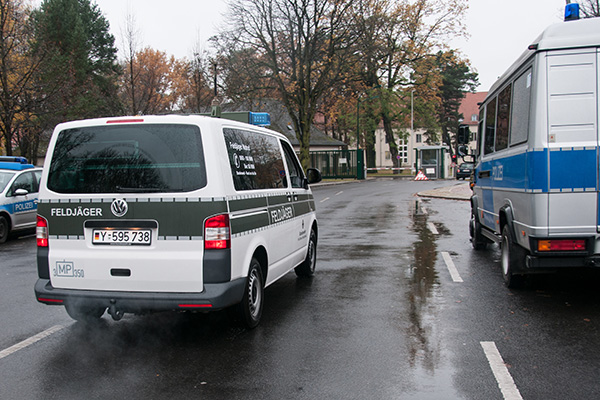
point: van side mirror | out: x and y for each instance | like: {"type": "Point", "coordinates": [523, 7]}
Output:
{"type": "Point", "coordinates": [313, 175]}
{"type": "Point", "coordinates": [463, 135]}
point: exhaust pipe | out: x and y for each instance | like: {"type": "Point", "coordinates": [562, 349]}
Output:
{"type": "Point", "coordinates": [114, 313]}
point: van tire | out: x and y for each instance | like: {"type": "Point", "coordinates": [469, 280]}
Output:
{"type": "Point", "coordinates": [251, 306]}
{"type": "Point", "coordinates": [84, 314]}
{"type": "Point", "coordinates": [512, 260]}
{"type": "Point", "coordinates": [307, 268]}
{"type": "Point", "coordinates": [4, 229]}
{"type": "Point", "coordinates": [478, 241]}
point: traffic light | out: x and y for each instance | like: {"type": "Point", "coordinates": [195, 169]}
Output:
{"type": "Point", "coordinates": [463, 135]}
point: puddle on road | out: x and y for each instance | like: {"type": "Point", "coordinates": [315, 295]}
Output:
{"type": "Point", "coordinates": [423, 285]}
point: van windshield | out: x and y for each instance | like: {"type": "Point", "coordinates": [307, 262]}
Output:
{"type": "Point", "coordinates": [141, 158]}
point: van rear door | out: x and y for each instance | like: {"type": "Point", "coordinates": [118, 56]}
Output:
{"type": "Point", "coordinates": [573, 201]}
{"type": "Point", "coordinates": [124, 207]}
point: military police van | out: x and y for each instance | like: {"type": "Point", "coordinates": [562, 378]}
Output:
{"type": "Point", "coordinates": [142, 214]}
{"type": "Point", "coordinates": [536, 181]}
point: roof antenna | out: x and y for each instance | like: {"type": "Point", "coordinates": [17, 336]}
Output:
{"type": "Point", "coordinates": [216, 102]}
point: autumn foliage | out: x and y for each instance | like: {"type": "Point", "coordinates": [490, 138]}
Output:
{"type": "Point", "coordinates": [335, 63]}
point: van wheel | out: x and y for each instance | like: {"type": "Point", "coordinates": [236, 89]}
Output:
{"type": "Point", "coordinates": [250, 309]}
{"type": "Point", "coordinates": [512, 259]}
{"type": "Point", "coordinates": [307, 268]}
{"type": "Point", "coordinates": [478, 241]}
{"type": "Point", "coordinates": [3, 229]}
{"type": "Point", "coordinates": [84, 314]}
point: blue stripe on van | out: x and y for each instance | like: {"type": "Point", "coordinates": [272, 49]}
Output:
{"type": "Point", "coordinates": [572, 169]}
{"type": "Point", "coordinates": [537, 170]}
{"type": "Point", "coordinates": [543, 171]}
{"type": "Point", "coordinates": [526, 171]}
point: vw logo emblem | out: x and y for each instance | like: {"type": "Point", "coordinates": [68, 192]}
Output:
{"type": "Point", "coordinates": [119, 207]}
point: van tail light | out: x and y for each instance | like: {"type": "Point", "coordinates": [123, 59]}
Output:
{"type": "Point", "coordinates": [217, 232]}
{"type": "Point", "coordinates": [561, 245]}
{"type": "Point", "coordinates": [41, 232]}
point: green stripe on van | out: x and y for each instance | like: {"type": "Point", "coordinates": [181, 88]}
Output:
{"type": "Point", "coordinates": [249, 223]}
{"type": "Point", "coordinates": [247, 204]}
{"type": "Point", "coordinates": [175, 218]}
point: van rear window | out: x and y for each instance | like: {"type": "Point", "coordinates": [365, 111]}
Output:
{"type": "Point", "coordinates": [140, 158]}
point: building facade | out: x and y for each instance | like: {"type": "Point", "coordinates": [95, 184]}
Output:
{"type": "Point", "coordinates": [406, 159]}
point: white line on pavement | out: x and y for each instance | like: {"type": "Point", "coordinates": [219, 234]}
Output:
{"type": "Point", "coordinates": [340, 192]}
{"type": "Point", "coordinates": [30, 341]}
{"type": "Point", "coordinates": [324, 200]}
{"type": "Point", "coordinates": [451, 267]}
{"type": "Point", "coordinates": [505, 381]}
{"type": "Point", "coordinates": [432, 228]}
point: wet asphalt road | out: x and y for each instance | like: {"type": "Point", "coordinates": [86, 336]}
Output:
{"type": "Point", "coordinates": [383, 318]}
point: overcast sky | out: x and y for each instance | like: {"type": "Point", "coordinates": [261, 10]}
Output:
{"type": "Point", "coordinates": [500, 30]}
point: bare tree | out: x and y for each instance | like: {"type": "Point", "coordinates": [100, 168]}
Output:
{"type": "Point", "coordinates": [130, 37]}
{"type": "Point", "coordinates": [300, 48]}
{"type": "Point", "coordinates": [394, 35]}
{"type": "Point", "coordinates": [589, 8]}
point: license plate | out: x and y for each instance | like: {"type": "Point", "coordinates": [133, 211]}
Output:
{"type": "Point", "coordinates": [122, 236]}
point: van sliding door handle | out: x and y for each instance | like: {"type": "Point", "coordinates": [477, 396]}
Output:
{"type": "Point", "coordinates": [484, 174]}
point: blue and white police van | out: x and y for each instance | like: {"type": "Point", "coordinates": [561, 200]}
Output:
{"type": "Point", "coordinates": [19, 184]}
{"type": "Point", "coordinates": [536, 180]}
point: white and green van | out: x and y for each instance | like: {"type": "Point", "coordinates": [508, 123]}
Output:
{"type": "Point", "coordinates": [141, 214]}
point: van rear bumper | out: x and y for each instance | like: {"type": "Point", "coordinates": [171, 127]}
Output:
{"type": "Point", "coordinates": [214, 297]}
{"type": "Point", "coordinates": [534, 262]}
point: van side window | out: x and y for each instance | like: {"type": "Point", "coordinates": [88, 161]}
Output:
{"type": "Point", "coordinates": [296, 175]}
{"type": "Point", "coordinates": [520, 108]}
{"type": "Point", "coordinates": [255, 159]}
{"type": "Point", "coordinates": [480, 131]}
{"type": "Point", "coordinates": [490, 127]}
{"type": "Point", "coordinates": [503, 118]}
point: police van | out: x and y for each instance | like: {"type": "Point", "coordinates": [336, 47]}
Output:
{"type": "Point", "coordinates": [142, 214]}
{"type": "Point", "coordinates": [536, 180]}
{"type": "Point", "coordinates": [19, 183]}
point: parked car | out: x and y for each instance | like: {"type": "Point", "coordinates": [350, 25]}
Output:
{"type": "Point", "coordinates": [19, 184]}
{"type": "Point", "coordinates": [464, 170]}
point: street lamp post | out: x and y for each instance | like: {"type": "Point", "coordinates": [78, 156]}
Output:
{"type": "Point", "coordinates": [359, 156]}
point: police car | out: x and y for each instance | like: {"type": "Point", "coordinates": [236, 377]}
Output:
{"type": "Point", "coordinates": [19, 184]}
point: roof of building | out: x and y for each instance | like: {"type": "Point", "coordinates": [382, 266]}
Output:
{"type": "Point", "coordinates": [282, 123]}
{"type": "Point", "coordinates": [469, 107]}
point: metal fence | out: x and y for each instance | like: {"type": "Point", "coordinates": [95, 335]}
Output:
{"type": "Point", "coordinates": [335, 164]}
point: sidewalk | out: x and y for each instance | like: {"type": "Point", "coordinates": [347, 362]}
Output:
{"type": "Point", "coordinates": [460, 191]}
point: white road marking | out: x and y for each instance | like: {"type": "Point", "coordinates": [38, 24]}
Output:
{"type": "Point", "coordinates": [324, 200]}
{"type": "Point", "coordinates": [505, 381]}
{"type": "Point", "coordinates": [30, 341]}
{"type": "Point", "coordinates": [432, 228]}
{"type": "Point", "coordinates": [451, 267]}
{"type": "Point", "coordinates": [340, 192]}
